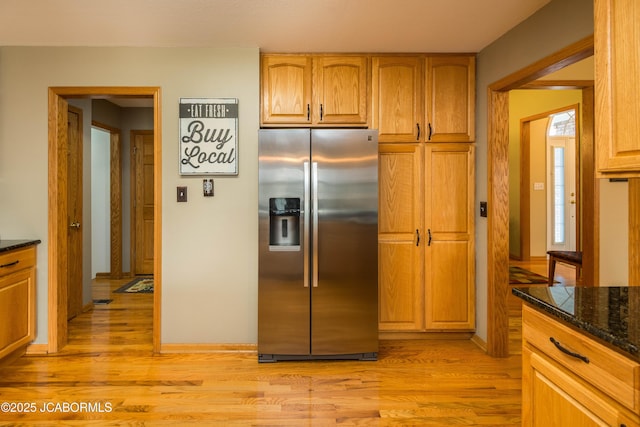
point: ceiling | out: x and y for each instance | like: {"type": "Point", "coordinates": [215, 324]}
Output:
{"type": "Point", "coordinates": [271, 25]}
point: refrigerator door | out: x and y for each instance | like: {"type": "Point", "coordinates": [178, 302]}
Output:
{"type": "Point", "coordinates": [283, 286]}
{"type": "Point", "coordinates": [344, 296]}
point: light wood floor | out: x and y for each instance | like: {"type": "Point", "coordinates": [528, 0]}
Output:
{"type": "Point", "coordinates": [107, 374]}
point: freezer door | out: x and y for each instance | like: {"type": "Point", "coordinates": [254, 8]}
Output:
{"type": "Point", "coordinates": [283, 291]}
{"type": "Point", "coordinates": [344, 299]}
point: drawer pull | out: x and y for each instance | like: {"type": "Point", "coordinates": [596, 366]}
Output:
{"type": "Point", "coordinates": [11, 264]}
{"type": "Point", "coordinates": [559, 346]}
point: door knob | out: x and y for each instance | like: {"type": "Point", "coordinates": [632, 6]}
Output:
{"type": "Point", "coordinates": [74, 225]}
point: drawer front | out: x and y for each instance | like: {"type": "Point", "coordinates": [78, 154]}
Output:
{"type": "Point", "coordinates": [611, 372]}
{"type": "Point", "coordinates": [17, 260]}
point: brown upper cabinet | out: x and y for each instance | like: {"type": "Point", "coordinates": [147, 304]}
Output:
{"type": "Point", "coordinates": [396, 94]}
{"type": "Point", "coordinates": [450, 93]}
{"type": "Point", "coordinates": [617, 90]}
{"type": "Point", "coordinates": [421, 98]}
{"type": "Point", "coordinates": [314, 90]}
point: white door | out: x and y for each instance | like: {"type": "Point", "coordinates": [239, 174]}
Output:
{"type": "Point", "coordinates": [561, 193]}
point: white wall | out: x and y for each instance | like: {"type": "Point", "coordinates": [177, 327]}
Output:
{"type": "Point", "coordinates": [100, 201]}
{"type": "Point", "coordinates": [209, 246]}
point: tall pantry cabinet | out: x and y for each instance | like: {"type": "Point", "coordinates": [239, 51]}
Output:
{"type": "Point", "coordinates": [424, 108]}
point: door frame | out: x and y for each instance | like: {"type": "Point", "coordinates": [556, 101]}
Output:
{"type": "Point", "coordinates": [57, 246]}
{"type": "Point", "coordinates": [498, 186]}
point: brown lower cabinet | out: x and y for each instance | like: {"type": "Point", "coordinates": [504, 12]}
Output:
{"type": "Point", "coordinates": [559, 390]}
{"type": "Point", "coordinates": [17, 299]}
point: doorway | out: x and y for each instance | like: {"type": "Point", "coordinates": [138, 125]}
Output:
{"type": "Point", "coordinates": [498, 187]}
{"type": "Point", "coordinates": [544, 224]}
{"type": "Point", "coordinates": [59, 259]}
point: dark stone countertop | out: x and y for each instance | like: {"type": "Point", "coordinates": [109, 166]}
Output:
{"type": "Point", "coordinates": [9, 245]}
{"type": "Point", "coordinates": [610, 314]}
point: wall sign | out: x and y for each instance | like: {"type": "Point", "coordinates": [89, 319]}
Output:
{"type": "Point", "coordinates": [208, 136]}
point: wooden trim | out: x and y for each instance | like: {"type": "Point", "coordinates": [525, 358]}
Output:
{"type": "Point", "coordinates": [482, 344]}
{"type": "Point", "coordinates": [116, 205]}
{"type": "Point", "coordinates": [525, 189]}
{"type": "Point", "coordinates": [115, 148]}
{"type": "Point", "coordinates": [498, 186]}
{"type": "Point", "coordinates": [57, 228]}
{"type": "Point", "coordinates": [498, 225]}
{"type": "Point", "coordinates": [37, 349]}
{"type": "Point", "coordinates": [556, 61]}
{"type": "Point", "coordinates": [578, 174]}
{"type": "Point", "coordinates": [634, 232]}
{"type": "Point", "coordinates": [431, 335]}
{"type": "Point", "coordinates": [559, 84]}
{"type": "Point", "coordinates": [208, 348]}
{"type": "Point", "coordinates": [157, 229]}
{"type": "Point", "coordinates": [57, 236]}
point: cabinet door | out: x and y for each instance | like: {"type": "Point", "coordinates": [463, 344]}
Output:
{"type": "Point", "coordinates": [617, 91]}
{"type": "Point", "coordinates": [400, 238]}
{"type": "Point", "coordinates": [340, 90]}
{"type": "Point", "coordinates": [449, 220]}
{"type": "Point", "coordinates": [554, 397]}
{"type": "Point", "coordinates": [397, 101]}
{"type": "Point", "coordinates": [450, 99]}
{"type": "Point", "coordinates": [286, 89]}
{"type": "Point", "coordinates": [17, 305]}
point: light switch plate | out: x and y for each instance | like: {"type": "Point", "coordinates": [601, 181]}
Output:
{"type": "Point", "coordinates": [483, 209]}
{"type": "Point", "coordinates": [182, 194]}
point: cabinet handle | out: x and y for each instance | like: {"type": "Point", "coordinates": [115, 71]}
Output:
{"type": "Point", "coordinates": [321, 112]}
{"type": "Point", "coordinates": [429, 234]}
{"type": "Point", "coordinates": [11, 264]}
{"type": "Point", "coordinates": [430, 131]}
{"type": "Point", "coordinates": [568, 352]}
{"type": "Point", "coordinates": [308, 112]}
{"type": "Point", "coordinates": [417, 237]}
{"type": "Point", "coordinates": [418, 126]}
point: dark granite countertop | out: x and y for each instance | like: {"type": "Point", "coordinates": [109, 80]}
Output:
{"type": "Point", "coordinates": [9, 245]}
{"type": "Point", "coordinates": [610, 314]}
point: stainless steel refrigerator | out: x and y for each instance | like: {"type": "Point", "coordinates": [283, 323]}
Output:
{"type": "Point", "coordinates": [318, 244]}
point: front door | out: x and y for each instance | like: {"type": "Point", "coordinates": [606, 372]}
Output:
{"type": "Point", "coordinates": [74, 211]}
{"type": "Point", "coordinates": [143, 202]}
{"type": "Point", "coordinates": [561, 194]}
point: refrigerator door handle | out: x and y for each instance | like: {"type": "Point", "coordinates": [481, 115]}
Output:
{"type": "Point", "coordinates": [305, 231]}
{"type": "Point", "coordinates": [314, 208]}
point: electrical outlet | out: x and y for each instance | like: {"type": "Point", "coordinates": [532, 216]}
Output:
{"type": "Point", "coordinates": [207, 187]}
{"type": "Point", "coordinates": [182, 194]}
